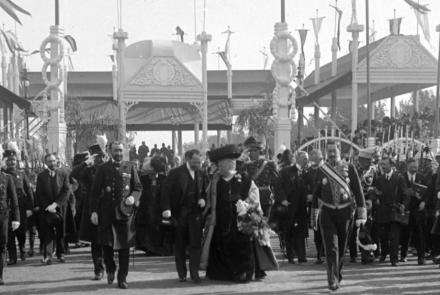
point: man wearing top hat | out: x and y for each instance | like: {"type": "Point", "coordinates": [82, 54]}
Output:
{"type": "Point", "coordinates": [113, 200]}
{"type": "Point", "coordinates": [9, 215]}
{"type": "Point", "coordinates": [25, 203]}
{"type": "Point", "coordinates": [84, 171]}
{"type": "Point", "coordinates": [183, 199]}
{"type": "Point", "coordinates": [338, 190]}
{"type": "Point", "coordinates": [262, 171]}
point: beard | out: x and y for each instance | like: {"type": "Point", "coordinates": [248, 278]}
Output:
{"type": "Point", "coordinates": [117, 158]}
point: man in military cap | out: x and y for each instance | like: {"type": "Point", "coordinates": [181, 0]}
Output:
{"type": "Point", "coordinates": [114, 197]}
{"type": "Point", "coordinates": [9, 215]}
{"type": "Point", "coordinates": [262, 171]}
{"type": "Point", "coordinates": [338, 189]}
{"type": "Point", "coordinates": [85, 172]}
{"type": "Point", "coordinates": [25, 204]}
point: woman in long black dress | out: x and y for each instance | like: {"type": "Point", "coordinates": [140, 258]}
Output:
{"type": "Point", "coordinates": [228, 253]}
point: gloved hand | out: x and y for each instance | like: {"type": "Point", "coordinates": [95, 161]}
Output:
{"type": "Point", "coordinates": [129, 201]}
{"type": "Point", "coordinates": [422, 206]}
{"type": "Point", "coordinates": [359, 222]}
{"type": "Point", "coordinates": [285, 203]}
{"type": "Point", "coordinates": [201, 203]}
{"type": "Point", "coordinates": [28, 213]}
{"type": "Point", "coordinates": [15, 225]}
{"type": "Point", "coordinates": [166, 214]}
{"type": "Point", "coordinates": [94, 218]}
{"type": "Point", "coordinates": [52, 207]}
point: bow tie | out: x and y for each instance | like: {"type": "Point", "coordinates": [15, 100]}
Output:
{"type": "Point", "coordinates": [51, 173]}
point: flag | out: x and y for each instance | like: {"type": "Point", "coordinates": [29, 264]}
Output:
{"type": "Point", "coordinates": [11, 8]}
{"type": "Point", "coordinates": [71, 42]}
{"type": "Point", "coordinates": [227, 52]}
{"type": "Point", "coordinates": [12, 41]}
{"type": "Point", "coordinates": [317, 22]}
{"type": "Point", "coordinates": [373, 33]}
{"type": "Point", "coordinates": [222, 54]}
{"type": "Point", "coordinates": [421, 8]}
{"type": "Point", "coordinates": [302, 37]}
{"type": "Point", "coordinates": [338, 34]}
{"type": "Point", "coordinates": [423, 22]}
{"type": "Point", "coordinates": [395, 26]}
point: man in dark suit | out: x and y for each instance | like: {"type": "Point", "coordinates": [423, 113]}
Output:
{"type": "Point", "coordinates": [115, 194]}
{"type": "Point", "coordinates": [390, 191]}
{"type": "Point", "coordinates": [9, 215]}
{"type": "Point", "coordinates": [183, 198]}
{"type": "Point", "coordinates": [51, 200]}
{"type": "Point", "coordinates": [416, 227]}
{"type": "Point", "coordinates": [292, 193]}
{"type": "Point", "coordinates": [25, 203]}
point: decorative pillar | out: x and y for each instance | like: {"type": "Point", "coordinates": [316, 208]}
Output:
{"type": "Point", "coordinates": [4, 69]}
{"type": "Point", "coordinates": [179, 142]}
{"type": "Point", "coordinates": [219, 134]}
{"type": "Point", "coordinates": [173, 140]}
{"type": "Point", "coordinates": [334, 72]}
{"type": "Point", "coordinates": [120, 36]}
{"type": "Point", "coordinates": [6, 123]}
{"type": "Point", "coordinates": [416, 100]}
{"type": "Point", "coordinates": [283, 71]}
{"type": "Point", "coordinates": [56, 128]}
{"type": "Point", "coordinates": [300, 123]}
{"type": "Point", "coordinates": [196, 133]}
{"type": "Point", "coordinates": [354, 28]}
{"type": "Point", "coordinates": [392, 107]}
{"type": "Point", "coordinates": [204, 38]}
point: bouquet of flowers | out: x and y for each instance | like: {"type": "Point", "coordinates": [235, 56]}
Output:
{"type": "Point", "coordinates": [250, 221]}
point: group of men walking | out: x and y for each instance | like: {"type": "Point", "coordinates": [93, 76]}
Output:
{"type": "Point", "coordinates": [348, 205]}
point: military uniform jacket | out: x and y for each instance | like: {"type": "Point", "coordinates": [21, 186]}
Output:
{"type": "Point", "coordinates": [330, 194]}
{"type": "Point", "coordinates": [111, 186]}
{"type": "Point", "coordinates": [8, 198]}
{"type": "Point", "coordinates": [24, 192]}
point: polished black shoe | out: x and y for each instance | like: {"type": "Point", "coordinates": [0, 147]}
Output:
{"type": "Point", "coordinates": [260, 275]}
{"type": "Point", "coordinates": [421, 261]}
{"type": "Point", "coordinates": [403, 259]}
{"type": "Point", "coordinates": [23, 256]}
{"type": "Point", "coordinates": [291, 261]}
{"type": "Point", "coordinates": [333, 286]}
{"type": "Point", "coordinates": [394, 262]}
{"type": "Point", "coordinates": [122, 285]}
{"type": "Point", "coordinates": [302, 261]}
{"type": "Point", "coordinates": [182, 279]}
{"type": "Point", "coordinates": [197, 280]}
{"type": "Point", "coordinates": [31, 253]}
{"type": "Point", "coordinates": [2, 282]}
{"type": "Point", "coordinates": [319, 261]}
{"type": "Point", "coordinates": [12, 262]}
{"type": "Point", "coordinates": [110, 277]}
{"type": "Point", "coordinates": [98, 276]}
{"type": "Point", "coordinates": [62, 259]}
{"type": "Point", "coordinates": [47, 261]}
{"type": "Point", "coordinates": [382, 258]}
{"type": "Point", "coordinates": [353, 259]}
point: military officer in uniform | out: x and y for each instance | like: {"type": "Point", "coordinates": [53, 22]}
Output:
{"type": "Point", "coordinates": [338, 189]}
{"type": "Point", "coordinates": [9, 211]}
{"type": "Point", "coordinates": [25, 204]}
{"type": "Point", "coordinates": [115, 195]}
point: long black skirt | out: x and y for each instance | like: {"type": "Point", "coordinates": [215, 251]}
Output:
{"type": "Point", "coordinates": [231, 257]}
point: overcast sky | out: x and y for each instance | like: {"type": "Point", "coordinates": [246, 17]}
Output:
{"type": "Point", "coordinates": [91, 22]}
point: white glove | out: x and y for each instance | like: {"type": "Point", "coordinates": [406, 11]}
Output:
{"type": "Point", "coordinates": [52, 208]}
{"type": "Point", "coordinates": [202, 203]}
{"type": "Point", "coordinates": [15, 225]}
{"type": "Point", "coordinates": [285, 203]}
{"type": "Point", "coordinates": [166, 214]}
{"type": "Point", "coordinates": [90, 160]}
{"type": "Point", "coordinates": [359, 222]}
{"type": "Point", "coordinates": [129, 201]}
{"type": "Point", "coordinates": [438, 195]}
{"type": "Point", "coordinates": [94, 218]}
{"type": "Point", "coordinates": [28, 213]}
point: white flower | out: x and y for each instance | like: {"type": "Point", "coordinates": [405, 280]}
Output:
{"type": "Point", "coordinates": [242, 207]}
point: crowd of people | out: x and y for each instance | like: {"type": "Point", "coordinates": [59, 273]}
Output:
{"type": "Point", "coordinates": [219, 209]}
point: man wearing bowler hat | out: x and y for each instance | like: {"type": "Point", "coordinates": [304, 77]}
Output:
{"type": "Point", "coordinates": [25, 203]}
{"type": "Point", "coordinates": [115, 194]}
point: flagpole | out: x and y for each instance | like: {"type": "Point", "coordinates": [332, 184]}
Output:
{"type": "Point", "coordinates": [367, 47]}
{"type": "Point", "coordinates": [437, 100]}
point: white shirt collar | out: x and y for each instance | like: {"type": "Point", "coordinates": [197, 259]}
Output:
{"type": "Point", "coordinates": [388, 175]}
{"type": "Point", "coordinates": [191, 171]}
{"type": "Point", "coordinates": [230, 175]}
{"type": "Point", "coordinates": [299, 167]}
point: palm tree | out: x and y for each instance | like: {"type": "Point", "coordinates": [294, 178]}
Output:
{"type": "Point", "coordinates": [11, 8]}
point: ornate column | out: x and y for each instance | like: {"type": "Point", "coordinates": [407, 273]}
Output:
{"type": "Point", "coordinates": [196, 132]}
{"type": "Point", "coordinates": [283, 70]}
{"type": "Point", "coordinates": [392, 107]}
{"type": "Point", "coordinates": [56, 128]}
{"type": "Point", "coordinates": [354, 28]}
{"type": "Point", "coordinates": [204, 38]}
